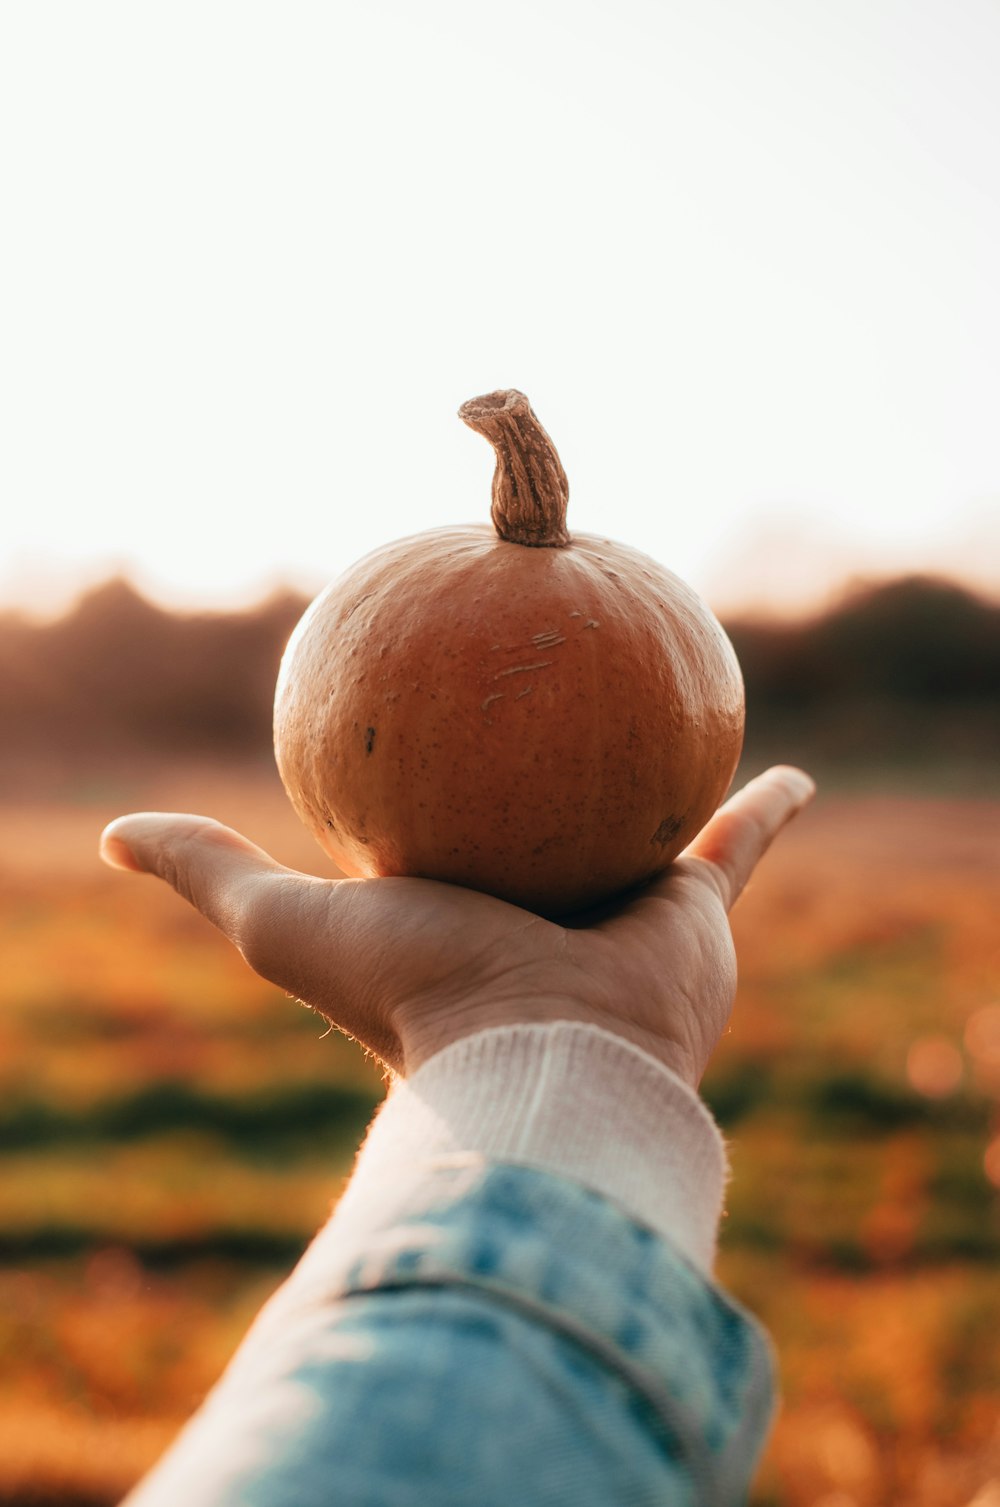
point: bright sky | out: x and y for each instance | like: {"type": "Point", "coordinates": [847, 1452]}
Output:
{"type": "Point", "coordinates": [743, 256]}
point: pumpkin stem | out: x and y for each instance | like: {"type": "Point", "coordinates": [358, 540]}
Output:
{"type": "Point", "coordinates": [530, 490]}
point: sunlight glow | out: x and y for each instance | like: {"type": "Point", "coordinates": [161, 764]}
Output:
{"type": "Point", "coordinates": [934, 1067]}
{"type": "Point", "coordinates": [991, 1162]}
{"type": "Point", "coordinates": [741, 258]}
{"type": "Point", "coordinates": [982, 1035]}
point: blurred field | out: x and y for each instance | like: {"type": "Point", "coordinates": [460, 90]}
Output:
{"type": "Point", "coordinates": [174, 1130]}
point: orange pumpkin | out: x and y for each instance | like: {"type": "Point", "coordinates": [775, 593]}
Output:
{"type": "Point", "coordinates": [549, 718]}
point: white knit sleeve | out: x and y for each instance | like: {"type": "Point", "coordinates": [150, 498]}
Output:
{"type": "Point", "coordinates": [566, 1098]}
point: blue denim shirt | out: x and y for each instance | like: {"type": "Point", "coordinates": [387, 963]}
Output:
{"type": "Point", "coordinates": [510, 1338]}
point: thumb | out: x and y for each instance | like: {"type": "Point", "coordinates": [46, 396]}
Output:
{"type": "Point", "coordinates": [216, 870]}
{"type": "Point", "coordinates": [741, 831]}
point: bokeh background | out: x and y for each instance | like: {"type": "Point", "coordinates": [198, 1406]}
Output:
{"type": "Point", "coordinates": [742, 258]}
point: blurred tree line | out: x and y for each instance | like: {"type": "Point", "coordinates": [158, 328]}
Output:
{"type": "Point", "coordinates": [907, 670]}
{"type": "Point", "coordinates": [905, 674]}
{"type": "Point", "coordinates": [119, 675]}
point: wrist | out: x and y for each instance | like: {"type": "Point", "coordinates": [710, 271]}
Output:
{"type": "Point", "coordinates": [426, 1029]}
{"type": "Point", "coordinates": [564, 1097]}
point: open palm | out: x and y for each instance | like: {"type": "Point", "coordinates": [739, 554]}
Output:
{"type": "Point", "coordinates": [407, 966]}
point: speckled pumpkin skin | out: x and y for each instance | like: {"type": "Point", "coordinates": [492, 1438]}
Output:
{"type": "Point", "coordinates": [549, 725]}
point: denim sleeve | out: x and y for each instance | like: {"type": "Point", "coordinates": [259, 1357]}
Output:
{"type": "Point", "coordinates": [510, 1338]}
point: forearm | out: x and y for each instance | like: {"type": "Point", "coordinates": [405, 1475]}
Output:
{"type": "Point", "coordinates": [522, 1180]}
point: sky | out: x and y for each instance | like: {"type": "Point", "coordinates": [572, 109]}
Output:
{"type": "Point", "coordinates": [741, 255]}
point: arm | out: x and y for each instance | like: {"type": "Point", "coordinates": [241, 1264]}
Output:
{"type": "Point", "coordinates": [544, 1112]}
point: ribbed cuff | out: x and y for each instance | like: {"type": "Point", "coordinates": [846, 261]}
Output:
{"type": "Point", "coordinates": [567, 1098]}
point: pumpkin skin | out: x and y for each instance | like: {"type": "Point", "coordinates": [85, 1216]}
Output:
{"type": "Point", "coordinates": [550, 725]}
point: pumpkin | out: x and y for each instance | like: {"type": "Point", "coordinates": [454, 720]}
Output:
{"type": "Point", "coordinates": [545, 717]}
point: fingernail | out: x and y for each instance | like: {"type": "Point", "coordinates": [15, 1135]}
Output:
{"type": "Point", "coordinates": [803, 785]}
{"type": "Point", "coordinates": [117, 855]}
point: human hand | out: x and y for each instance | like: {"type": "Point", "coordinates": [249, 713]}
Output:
{"type": "Point", "coordinates": [407, 966]}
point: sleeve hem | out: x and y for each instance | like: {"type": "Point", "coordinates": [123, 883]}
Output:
{"type": "Point", "coordinates": [566, 1098]}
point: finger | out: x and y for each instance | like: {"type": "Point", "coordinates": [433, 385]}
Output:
{"type": "Point", "coordinates": [742, 830]}
{"type": "Point", "coordinates": [211, 866]}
